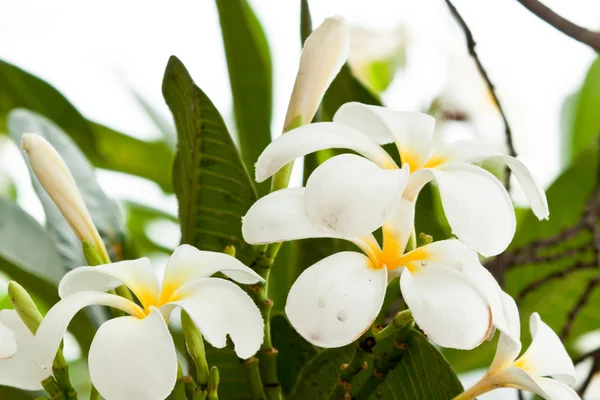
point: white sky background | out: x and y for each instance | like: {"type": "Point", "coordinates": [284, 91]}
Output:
{"type": "Point", "coordinates": [91, 52]}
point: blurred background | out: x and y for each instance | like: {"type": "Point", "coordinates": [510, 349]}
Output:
{"type": "Point", "coordinates": [108, 59]}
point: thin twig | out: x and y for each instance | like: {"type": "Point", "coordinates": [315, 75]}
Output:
{"type": "Point", "coordinates": [583, 300]}
{"type": "Point", "coordinates": [579, 266]}
{"type": "Point", "coordinates": [562, 24]}
{"type": "Point", "coordinates": [471, 47]}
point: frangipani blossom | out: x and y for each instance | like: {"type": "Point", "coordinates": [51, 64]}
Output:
{"type": "Point", "coordinates": [17, 366]}
{"type": "Point", "coordinates": [133, 357]}
{"type": "Point", "coordinates": [453, 298]}
{"type": "Point", "coordinates": [477, 206]}
{"type": "Point", "coordinates": [545, 368]}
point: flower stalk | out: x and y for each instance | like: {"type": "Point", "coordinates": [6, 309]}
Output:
{"type": "Point", "coordinates": [213, 383]}
{"type": "Point", "coordinates": [195, 346]}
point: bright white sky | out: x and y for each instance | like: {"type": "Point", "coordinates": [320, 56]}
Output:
{"type": "Point", "coordinates": [92, 52]}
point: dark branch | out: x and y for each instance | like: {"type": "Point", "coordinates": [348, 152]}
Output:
{"type": "Point", "coordinates": [583, 300]}
{"type": "Point", "coordinates": [579, 266]}
{"type": "Point", "coordinates": [565, 26]}
{"type": "Point", "coordinates": [471, 47]}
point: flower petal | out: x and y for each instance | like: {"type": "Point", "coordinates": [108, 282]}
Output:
{"type": "Point", "coordinates": [132, 358]}
{"type": "Point", "coordinates": [516, 377]}
{"type": "Point", "coordinates": [399, 227]}
{"type": "Point", "coordinates": [556, 390]}
{"type": "Point", "coordinates": [313, 137]}
{"type": "Point", "coordinates": [219, 308]}
{"type": "Point", "coordinates": [325, 52]}
{"type": "Point", "coordinates": [334, 301]}
{"type": "Point", "coordinates": [20, 371]}
{"type": "Point", "coordinates": [352, 196]}
{"type": "Point", "coordinates": [446, 306]}
{"type": "Point", "coordinates": [137, 275]}
{"type": "Point", "coordinates": [470, 151]}
{"type": "Point", "coordinates": [281, 216]}
{"type": "Point", "coordinates": [477, 206]}
{"type": "Point", "coordinates": [546, 356]}
{"type": "Point", "coordinates": [412, 131]}
{"type": "Point", "coordinates": [8, 342]}
{"type": "Point", "coordinates": [188, 263]}
{"type": "Point", "coordinates": [55, 323]}
{"type": "Point", "coordinates": [509, 344]}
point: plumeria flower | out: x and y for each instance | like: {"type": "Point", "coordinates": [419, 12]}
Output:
{"type": "Point", "coordinates": [546, 357]}
{"type": "Point", "coordinates": [133, 357]}
{"type": "Point", "coordinates": [452, 297]}
{"type": "Point", "coordinates": [477, 206]}
{"type": "Point", "coordinates": [17, 366]}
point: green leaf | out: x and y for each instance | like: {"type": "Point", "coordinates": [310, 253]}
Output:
{"type": "Point", "coordinates": [586, 124]}
{"type": "Point", "coordinates": [234, 383]}
{"type": "Point", "coordinates": [305, 21]}
{"type": "Point", "coordinates": [294, 351]}
{"type": "Point", "coordinates": [28, 255]}
{"type": "Point", "coordinates": [249, 64]}
{"type": "Point", "coordinates": [103, 210]}
{"type": "Point", "coordinates": [422, 373]}
{"type": "Point", "coordinates": [139, 217]}
{"type": "Point", "coordinates": [211, 182]}
{"type": "Point", "coordinates": [104, 147]}
{"type": "Point", "coordinates": [164, 126]}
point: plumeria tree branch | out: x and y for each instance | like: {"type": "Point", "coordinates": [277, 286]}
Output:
{"type": "Point", "coordinates": [471, 47]}
{"type": "Point", "coordinates": [574, 31]}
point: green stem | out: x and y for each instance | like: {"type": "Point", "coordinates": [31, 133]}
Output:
{"type": "Point", "coordinates": [399, 322]}
{"type": "Point", "coordinates": [195, 347]}
{"type": "Point", "coordinates": [94, 395]}
{"type": "Point", "coordinates": [213, 383]}
{"type": "Point", "coordinates": [51, 387]}
{"type": "Point", "coordinates": [253, 373]}
{"type": "Point", "coordinates": [267, 355]}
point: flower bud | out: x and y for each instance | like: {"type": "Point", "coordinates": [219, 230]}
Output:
{"type": "Point", "coordinates": [55, 177]}
{"type": "Point", "coordinates": [24, 306]}
{"type": "Point", "coordinates": [325, 52]}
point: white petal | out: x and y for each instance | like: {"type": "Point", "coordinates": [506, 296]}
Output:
{"type": "Point", "coordinates": [516, 377]}
{"type": "Point", "coordinates": [334, 302]}
{"type": "Point", "coordinates": [546, 356]}
{"type": "Point", "coordinates": [8, 342]}
{"type": "Point", "coordinates": [137, 275]}
{"type": "Point", "coordinates": [219, 308]}
{"type": "Point", "coordinates": [399, 226]}
{"type": "Point", "coordinates": [325, 52]}
{"type": "Point", "coordinates": [469, 151]}
{"type": "Point", "coordinates": [188, 263]}
{"type": "Point", "coordinates": [352, 196]}
{"type": "Point", "coordinates": [509, 344]}
{"type": "Point", "coordinates": [446, 306]}
{"type": "Point", "coordinates": [449, 252]}
{"type": "Point", "coordinates": [55, 323]}
{"type": "Point", "coordinates": [134, 359]}
{"type": "Point", "coordinates": [20, 371]}
{"type": "Point", "coordinates": [556, 390]}
{"type": "Point", "coordinates": [477, 206]}
{"type": "Point", "coordinates": [313, 137]}
{"type": "Point", "coordinates": [411, 131]}
{"type": "Point", "coordinates": [281, 216]}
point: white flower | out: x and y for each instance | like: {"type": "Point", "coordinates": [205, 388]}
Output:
{"type": "Point", "coordinates": [17, 366]}
{"type": "Point", "coordinates": [453, 298]}
{"type": "Point", "coordinates": [546, 357]}
{"type": "Point", "coordinates": [56, 179]}
{"type": "Point", "coordinates": [134, 357]}
{"type": "Point", "coordinates": [325, 52]}
{"type": "Point", "coordinates": [477, 206]}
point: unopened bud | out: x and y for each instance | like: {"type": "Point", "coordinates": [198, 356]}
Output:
{"type": "Point", "coordinates": [24, 306]}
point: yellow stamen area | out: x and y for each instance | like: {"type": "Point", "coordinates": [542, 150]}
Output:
{"type": "Point", "coordinates": [410, 158]}
{"type": "Point", "coordinates": [522, 363]}
{"type": "Point", "coordinates": [434, 161]}
{"type": "Point", "coordinates": [391, 256]}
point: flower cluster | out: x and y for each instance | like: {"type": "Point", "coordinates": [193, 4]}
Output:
{"type": "Point", "coordinates": [453, 298]}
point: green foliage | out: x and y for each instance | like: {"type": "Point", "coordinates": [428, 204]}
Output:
{"type": "Point", "coordinates": [139, 217]}
{"type": "Point", "coordinates": [210, 179]}
{"type": "Point", "coordinates": [103, 210]}
{"type": "Point", "coordinates": [233, 383]}
{"type": "Point", "coordinates": [21, 89]}
{"type": "Point", "coordinates": [249, 64]}
{"type": "Point", "coordinates": [586, 124]}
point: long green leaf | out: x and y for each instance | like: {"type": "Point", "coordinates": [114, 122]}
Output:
{"type": "Point", "coordinates": [586, 124]}
{"type": "Point", "coordinates": [104, 147]}
{"type": "Point", "coordinates": [249, 64]}
{"type": "Point", "coordinates": [211, 182]}
{"type": "Point", "coordinates": [103, 210]}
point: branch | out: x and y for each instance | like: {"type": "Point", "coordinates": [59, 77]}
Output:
{"type": "Point", "coordinates": [583, 300]}
{"type": "Point", "coordinates": [565, 26]}
{"type": "Point", "coordinates": [471, 47]}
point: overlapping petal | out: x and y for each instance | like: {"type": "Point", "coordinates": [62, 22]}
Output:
{"type": "Point", "coordinates": [281, 216]}
{"type": "Point", "coordinates": [20, 370]}
{"type": "Point", "coordinates": [8, 342]}
{"type": "Point", "coordinates": [188, 263]}
{"type": "Point", "coordinates": [477, 206]}
{"type": "Point", "coordinates": [398, 228]}
{"type": "Point", "coordinates": [556, 390]}
{"type": "Point", "coordinates": [509, 343]}
{"type": "Point", "coordinates": [134, 359]}
{"type": "Point", "coordinates": [469, 151]}
{"type": "Point", "coordinates": [313, 137]}
{"type": "Point", "coordinates": [446, 306]}
{"type": "Point", "coordinates": [334, 301]}
{"type": "Point", "coordinates": [55, 323]}
{"type": "Point", "coordinates": [137, 275]}
{"type": "Point", "coordinates": [220, 308]}
{"type": "Point", "coordinates": [352, 196]}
